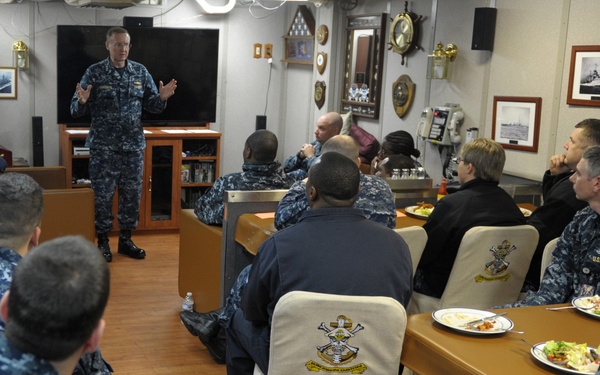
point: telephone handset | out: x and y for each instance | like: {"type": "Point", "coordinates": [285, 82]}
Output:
{"type": "Point", "coordinates": [424, 125]}
{"type": "Point", "coordinates": [455, 122]}
{"type": "Point", "coordinates": [444, 125]}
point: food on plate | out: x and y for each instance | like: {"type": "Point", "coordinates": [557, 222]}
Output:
{"type": "Point", "coordinates": [423, 208]}
{"type": "Point", "coordinates": [591, 304]}
{"type": "Point", "coordinates": [458, 319]}
{"type": "Point", "coordinates": [572, 355]}
{"type": "Point", "coordinates": [486, 325]}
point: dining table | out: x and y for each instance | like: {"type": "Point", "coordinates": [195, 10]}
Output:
{"type": "Point", "coordinates": [433, 348]}
{"type": "Point", "coordinates": [253, 229]}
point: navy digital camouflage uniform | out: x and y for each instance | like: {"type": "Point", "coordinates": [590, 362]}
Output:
{"type": "Point", "coordinates": [13, 360]}
{"type": "Point", "coordinates": [298, 168]}
{"type": "Point", "coordinates": [8, 262]}
{"type": "Point", "coordinates": [116, 137]}
{"type": "Point", "coordinates": [260, 176]}
{"type": "Point", "coordinates": [575, 267]}
{"type": "Point", "coordinates": [375, 199]}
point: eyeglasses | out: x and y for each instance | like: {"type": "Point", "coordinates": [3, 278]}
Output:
{"type": "Point", "coordinates": [121, 45]}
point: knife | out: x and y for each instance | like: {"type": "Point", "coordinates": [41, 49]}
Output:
{"type": "Point", "coordinates": [484, 319]}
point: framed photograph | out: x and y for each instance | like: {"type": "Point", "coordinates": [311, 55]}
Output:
{"type": "Point", "coordinates": [584, 77]}
{"type": "Point", "coordinates": [8, 82]}
{"type": "Point", "coordinates": [299, 50]}
{"type": "Point", "coordinates": [516, 122]}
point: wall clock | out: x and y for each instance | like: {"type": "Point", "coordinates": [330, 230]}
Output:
{"type": "Point", "coordinates": [321, 62]}
{"type": "Point", "coordinates": [322, 34]}
{"type": "Point", "coordinates": [404, 32]}
{"type": "Point", "coordinates": [320, 93]}
{"type": "Point", "coordinates": [403, 93]}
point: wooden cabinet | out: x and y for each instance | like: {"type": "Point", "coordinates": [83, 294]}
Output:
{"type": "Point", "coordinates": [179, 165]}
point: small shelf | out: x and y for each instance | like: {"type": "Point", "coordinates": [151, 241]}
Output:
{"type": "Point", "coordinates": [195, 184]}
{"type": "Point", "coordinates": [208, 158]}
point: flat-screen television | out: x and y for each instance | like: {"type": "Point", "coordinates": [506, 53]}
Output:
{"type": "Point", "coordinates": [188, 55]}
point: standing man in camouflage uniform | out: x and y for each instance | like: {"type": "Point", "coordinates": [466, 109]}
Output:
{"type": "Point", "coordinates": [21, 205]}
{"type": "Point", "coordinates": [575, 267]}
{"type": "Point", "coordinates": [375, 197]}
{"type": "Point", "coordinates": [328, 125]}
{"type": "Point", "coordinates": [260, 172]}
{"type": "Point", "coordinates": [114, 92]}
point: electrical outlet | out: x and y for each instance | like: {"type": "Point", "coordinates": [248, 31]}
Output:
{"type": "Point", "coordinates": [257, 50]}
{"type": "Point", "coordinates": [268, 51]}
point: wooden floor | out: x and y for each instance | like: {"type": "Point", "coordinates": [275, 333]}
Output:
{"type": "Point", "coordinates": [143, 332]}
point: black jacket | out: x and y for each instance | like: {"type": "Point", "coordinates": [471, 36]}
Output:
{"type": "Point", "coordinates": [475, 203]}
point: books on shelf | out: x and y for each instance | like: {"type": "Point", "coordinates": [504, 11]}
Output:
{"type": "Point", "coordinates": [185, 173]}
{"type": "Point", "coordinates": [189, 197]}
{"type": "Point", "coordinates": [198, 172]}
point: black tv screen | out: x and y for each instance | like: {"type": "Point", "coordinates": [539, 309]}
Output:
{"type": "Point", "coordinates": [188, 55]}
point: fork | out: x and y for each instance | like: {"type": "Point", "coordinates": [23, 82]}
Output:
{"type": "Point", "coordinates": [513, 331]}
{"type": "Point", "coordinates": [569, 307]}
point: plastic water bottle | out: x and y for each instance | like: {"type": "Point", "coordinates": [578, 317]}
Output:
{"type": "Point", "coordinates": [188, 303]}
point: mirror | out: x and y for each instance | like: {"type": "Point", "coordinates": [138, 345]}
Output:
{"type": "Point", "coordinates": [361, 89]}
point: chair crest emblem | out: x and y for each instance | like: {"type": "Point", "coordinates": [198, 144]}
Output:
{"type": "Point", "coordinates": [338, 352]}
{"type": "Point", "coordinates": [499, 264]}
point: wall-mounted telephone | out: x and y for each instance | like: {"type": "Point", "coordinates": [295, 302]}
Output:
{"type": "Point", "coordinates": [445, 123]}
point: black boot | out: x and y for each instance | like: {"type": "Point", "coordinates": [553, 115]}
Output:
{"type": "Point", "coordinates": [104, 247]}
{"type": "Point", "coordinates": [127, 247]}
{"type": "Point", "coordinates": [204, 325]}
{"type": "Point", "coordinates": [217, 346]}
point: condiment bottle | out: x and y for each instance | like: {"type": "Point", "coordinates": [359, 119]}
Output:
{"type": "Point", "coordinates": [442, 190]}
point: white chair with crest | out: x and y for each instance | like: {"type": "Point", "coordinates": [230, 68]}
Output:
{"type": "Point", "coordinates": [334, 333]}
{"type": "Point", "coordinates": [489, 269]}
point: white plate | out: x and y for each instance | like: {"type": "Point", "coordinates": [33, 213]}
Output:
{"type": "Point", "coordinates": [411, 211]}
{"type": "Point", "coordinates": [538, 353]}
{"type": "Point", "coordinates": [454, 318]}
{"type": "Point", "coordinates": [580, 304]}
{"type": "Point", "coordinates": [525, 212]}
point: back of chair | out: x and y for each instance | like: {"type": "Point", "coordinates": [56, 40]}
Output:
{"type": "Point", "coordinates": [315, 331]}
{"type": "Point", "coordinates": [416, 238]}
{"type": "Point", "coordinates": [239, 202]}
{"type": "Point", "coordinates": [490, 266]}
{"type": "Point", "coordinates": [547, 256]}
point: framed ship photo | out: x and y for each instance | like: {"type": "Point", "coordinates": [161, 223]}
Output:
{"type": "Point", "coordinates": [8, 83]}
{"type": "Point", "coordinates": [516, 122]}
{"type": "Point", "coordinates": [584, 76]}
